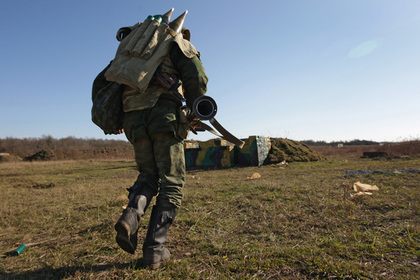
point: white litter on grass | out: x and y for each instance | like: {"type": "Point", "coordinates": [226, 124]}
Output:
{"type": "Point", "coordinates": [363, 189]}
{"type": "Point", "coordinates": [359, 187]}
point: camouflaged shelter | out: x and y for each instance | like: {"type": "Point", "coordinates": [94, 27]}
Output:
{"type": "Point", "coordinates": [257, 151]}
{"type": "Point", "coordinates": [219, 153]}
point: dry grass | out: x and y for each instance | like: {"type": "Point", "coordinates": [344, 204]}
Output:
{"type": "Point", "coordinates": [295, 222]}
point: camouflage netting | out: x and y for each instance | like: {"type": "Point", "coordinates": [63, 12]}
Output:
{"type": "Point", "coordinates": [41, 155]}
{"type": "Point", "coordinates": [290, 151]}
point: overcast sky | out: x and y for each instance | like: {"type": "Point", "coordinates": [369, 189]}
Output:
{"type": "Point", "coordinates": [308, 69]}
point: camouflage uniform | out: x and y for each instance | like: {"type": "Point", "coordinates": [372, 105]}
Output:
{"type": "Point", "coordinates": [151, 124]}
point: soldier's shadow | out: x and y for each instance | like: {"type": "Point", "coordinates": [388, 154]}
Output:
{"type": "Point", "coordinates": [70, 271]}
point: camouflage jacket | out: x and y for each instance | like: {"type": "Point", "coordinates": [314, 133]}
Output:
{"type": "Point", "coordinates": [189, 71]}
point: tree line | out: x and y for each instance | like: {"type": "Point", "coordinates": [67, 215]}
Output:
{"type": "Point", "coordinates": [355, 142]}
{"type": "Point", "coordinates": [27, 146]}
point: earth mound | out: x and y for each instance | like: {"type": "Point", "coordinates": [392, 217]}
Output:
{"type": "Point", "coordinates": [290, 151]}
{"type": "Point", "coordinates": [9, 158]}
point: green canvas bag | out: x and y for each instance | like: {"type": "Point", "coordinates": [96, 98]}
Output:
{"type": "Point", "coordinates": [144, 48]}
{"type": "Point", "coordinates": [107, 108]}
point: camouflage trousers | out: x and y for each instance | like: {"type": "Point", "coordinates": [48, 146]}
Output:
{"type": "Point", "coordinates": [159, 153]}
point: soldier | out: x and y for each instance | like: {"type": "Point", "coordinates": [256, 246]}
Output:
{"type": "Point", "coordinates": [151, 124]}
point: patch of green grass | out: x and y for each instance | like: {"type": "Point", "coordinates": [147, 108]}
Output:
{"type": "Point", "coordinates": [297, 221]}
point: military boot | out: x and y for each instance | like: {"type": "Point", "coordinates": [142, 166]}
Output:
{"type": "Point", "coordinates": [154, 253]}
{"type": "Point", "coordinates": [128, 225]}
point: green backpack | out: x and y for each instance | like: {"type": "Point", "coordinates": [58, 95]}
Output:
{"type": "Point", "coordinates": [107, 109]}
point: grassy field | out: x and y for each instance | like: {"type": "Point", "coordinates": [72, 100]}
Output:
{"type": "Point", "coordinates": [296, 221]}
